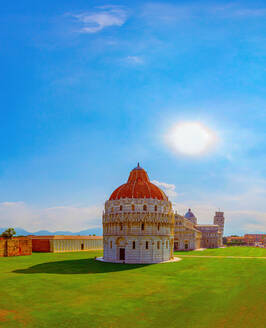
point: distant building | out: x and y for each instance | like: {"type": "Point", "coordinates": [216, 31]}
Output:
{"type": "Point", "coordinates": [56, 244]}
{"type": "Point", "coordinates": [189, 235]}
{"type": "Point", "coordinates": [15, 246]}
{"type": "Point", "coordinates": [255, 239]}
{"type": "Point", "coordinates": [186, 236]}
{"type": "Point", "coordinates": [235, 240]}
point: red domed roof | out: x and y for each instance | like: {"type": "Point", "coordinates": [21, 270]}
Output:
{"type": "Point", "coordinates": [138, 186]}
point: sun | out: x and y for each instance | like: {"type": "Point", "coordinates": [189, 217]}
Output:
{"type": "Point", "coordinates": [190, 138]}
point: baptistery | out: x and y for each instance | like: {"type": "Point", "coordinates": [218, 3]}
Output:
{"type": "Point", "coordinates": [138, 222]}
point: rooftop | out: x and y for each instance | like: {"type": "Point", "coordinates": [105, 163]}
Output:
{"type": "Point", "coordinates": [65, 237]}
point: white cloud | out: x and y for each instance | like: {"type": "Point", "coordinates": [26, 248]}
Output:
{"type": "Point", "coordinates": [134, 60]}
{"type": "Point", "coordinates": [243, 205]}
{"type": "Point", "coordinates": [236, 221]}
{"type": "Point", "coordinates": [204, 212]}
{"type": "Point", "coordinates": [251, 221]}
{"type": "Point", "coordinates": [168, 188]}
{"type": "Point", "coordinates": [19, 214]}
{"type": "Point", "coordinates": [102, 17]}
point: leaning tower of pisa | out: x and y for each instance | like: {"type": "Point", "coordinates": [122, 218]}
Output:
{"type": "Point", "coordinates": [219, 220]}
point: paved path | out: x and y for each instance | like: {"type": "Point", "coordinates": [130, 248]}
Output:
{"type": "Point", "coordinates": [225, 256]}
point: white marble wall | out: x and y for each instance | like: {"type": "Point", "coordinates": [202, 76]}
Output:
{"type": "Point", "coordinates": [140, 254]}
{"type": "Point", "coordinates": [122, 224]}
{"type": "Point", "coordinates": [137, 205]}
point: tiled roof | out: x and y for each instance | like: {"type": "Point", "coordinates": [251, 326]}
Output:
{"type": "Point", "coordinates": [65, 237]}
{"type": "Point", "coordinates": [138, 186]}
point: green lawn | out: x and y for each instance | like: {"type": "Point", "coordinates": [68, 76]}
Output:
{"type": "Point", "coordinates": [73, 290]}
{"type": "Point", "coordinates": [228, 251]}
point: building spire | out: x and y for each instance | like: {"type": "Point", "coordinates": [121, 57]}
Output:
{"type": "Point", "coordinates": [138, 167]}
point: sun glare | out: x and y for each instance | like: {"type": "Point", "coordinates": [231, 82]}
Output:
{"type": "Point", "coordinates": [191, 138]}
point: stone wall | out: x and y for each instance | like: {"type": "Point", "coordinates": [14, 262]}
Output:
{"type": "Point", "coordinates": [25, 246]}
{"type": "Point", "coordinates": [57, 244]}
{"type": "Point", "coordinates": [41, 245]}
{"type": "Point", "coordinates": [16, 246]}
{"type": "Point", "coordinates": [2, 247]}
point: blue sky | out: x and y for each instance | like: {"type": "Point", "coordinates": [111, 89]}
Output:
{"type": "Point", "coordinates": [89, 88]}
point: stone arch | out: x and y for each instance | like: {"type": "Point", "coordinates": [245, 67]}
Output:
{"type": "Point", "coordinates": [121, 248]}
{"type": "Point", "coordinates": [120, 242]}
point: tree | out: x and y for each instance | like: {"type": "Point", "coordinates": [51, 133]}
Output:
{"type": "Point", "coordinates": [9, 233]}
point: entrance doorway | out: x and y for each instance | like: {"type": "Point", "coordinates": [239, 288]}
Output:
{"type": "Point", "coordinates": [176, 245]}
{"type": "Point", "coordinates": [122, 254]}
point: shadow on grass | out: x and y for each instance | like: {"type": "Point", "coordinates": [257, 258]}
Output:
{"type": "Point", "coordinates": [83, 266]}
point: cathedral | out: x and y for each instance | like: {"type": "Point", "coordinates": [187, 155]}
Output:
{"type": "Point", "coordinates": [189, 235]}
{"type": "Point", "coordinates": [140, 226]}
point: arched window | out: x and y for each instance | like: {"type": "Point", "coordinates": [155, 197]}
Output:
{"type": "Point", "coordinates": [112, 209]}
{"type": "Point", "coordinates": [158, 245]}
{"type": "Point", "coordinates": [144, 207]}
{"type": "Point", "coordinates": [155, 208]}
{"type": "Point", "coordinates": [133, 207]}
{"type": "Point", "coordinates": [134, 245]}
{"type": "Point", "coordinates": [111, 244]}
{"type": "Point", "coordinates": [121, 207]}
{"type": "Point", "coordinates": [158, 226]}
{"type": "Point", "coordinates": [142, 226]}
{"type": "Point", "coordinates": [121, 226]}
{"type": "Point", "coordinates": [166, 243]}
{"type": "Point", "coordinates": [147, 245]}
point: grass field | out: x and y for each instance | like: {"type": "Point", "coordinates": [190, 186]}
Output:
{"type": "Point", "coordinates": [227, 251]}
{"type": "Point", "coordinates": [73, 290]}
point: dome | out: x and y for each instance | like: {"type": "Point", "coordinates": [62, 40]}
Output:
{"type": "Point", "coordinates": [189, 214]}
{"type": "Point", "coordinates": [138, 186]}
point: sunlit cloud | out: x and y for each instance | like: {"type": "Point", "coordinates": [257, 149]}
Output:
{"type": "Point", "coordinates": [236, 221]}
{"type": "Point", "coordinates": [168, 188]}
{"type": "Point", "coordinates": [243, 203]}
{"type": "Point", "coordinates": [71, 218]}
{"type": "Point", "coordinates": [100, 18]}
